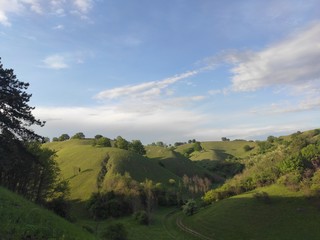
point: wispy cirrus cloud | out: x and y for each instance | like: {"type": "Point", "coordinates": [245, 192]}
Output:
{"type": "Point", "coordinates": [144, 90]}
{"type": "Point", "coordinates": [59, 7]}
{"type": "Point", "coordinates": [292, 62]}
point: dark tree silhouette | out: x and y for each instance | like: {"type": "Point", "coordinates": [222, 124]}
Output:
{"type": "Point", "coordinates": [15, 113]}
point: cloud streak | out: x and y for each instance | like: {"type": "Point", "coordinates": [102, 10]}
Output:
{"type": "Point", "coordinates": [143, 90]}
{"type": "Point", "coordinates": [292, 62]}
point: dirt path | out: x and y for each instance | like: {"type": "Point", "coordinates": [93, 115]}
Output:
{"type": "Point", "coordinates": [181, 226]}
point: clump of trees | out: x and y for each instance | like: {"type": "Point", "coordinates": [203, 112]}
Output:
{"type": "Point", "coordinates": [195, 147]}
{"type": "Point", "coordinates": [134, 145]}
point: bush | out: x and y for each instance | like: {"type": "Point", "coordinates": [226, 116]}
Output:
{"type": "Point", "coordinates": [141, 217]}
{"type": "Point", "coordinates": [60, 206]}
{"type": "Point", "coordinates": [115, 231]}
{"type": "Point", "coordinates": [190, 207]}
{"type": "Point", "coordinates": [262, 197]}
{"type": "Point", "coordinates": [246, 148]}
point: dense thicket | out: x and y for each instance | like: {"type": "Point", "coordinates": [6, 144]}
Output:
{"type": "Point", "coordinates": [293, 161]}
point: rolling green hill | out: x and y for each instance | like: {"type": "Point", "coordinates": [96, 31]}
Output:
{"type": "Point", "coordinates": [21, 219]}
{"type": "Point", "coordinates": [288, 215]}
{"type": "Point", "coordinates": [175, 162]}
{"type": "Point", "coordinates": [80, 163]}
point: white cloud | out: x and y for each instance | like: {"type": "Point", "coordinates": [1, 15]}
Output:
{"type": "Point", "coordinates": [83, 5]}
{"type": "Point", "coordinates": [163, 124]}
{"type": "Point", "coordinates": [55, 62]}
{"type": "Point", "coordinates": [58, 27]}
{"type": "Point", "coordinates": [8, 7]}
{"type": "Point", "coordinates": [293, 62]}
{"type": "Point", "coordinates": [143, 90]}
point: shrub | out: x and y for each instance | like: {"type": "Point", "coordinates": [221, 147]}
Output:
{"type": "Point", "coordinates": [115, 231]}
{"type": "Point", "coordinates": [246, 148]}
{"type": "Point", "coordinates": [141, 217]}
{"type": "Point", "coordinates": [190, 207]}
{"type": "Point", "coordinates": [262, 197]}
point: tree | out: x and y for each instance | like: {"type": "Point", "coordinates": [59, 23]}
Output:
{"type": "Point", "coordinates": [98, 136]}
{"type": "Point", "coordinates": [64, 137]}
{"type": "Point", "coordinates": [137, 146]}
{"type": "Point", "coordinates": [224, 139]}
{"type": "Point", "coordinates": [190, 207]}
{"type": "Point", "coordinates": [247, 148]}
{"type": "Point", "coordinates": [197, 146]}
{"type": "Point", "coordinates": [78, 135]}
{"type": "Point", "coordinates": [15, 113]}
{"type": "Point", "coordinates": [103, 142]}
{"type": "Point", "coordinates": [121, 143]}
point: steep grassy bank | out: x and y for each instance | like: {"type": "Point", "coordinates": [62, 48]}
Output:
{"type": "Point", "coordinates": [21, 219]}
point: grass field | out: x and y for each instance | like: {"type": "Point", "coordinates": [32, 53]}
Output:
{"type": "Point", "coordinates": [80, 163]}
{"type": "Point", "coordinates": [289, 216]}
{"type": "Point", "coordinates": [20, 218]}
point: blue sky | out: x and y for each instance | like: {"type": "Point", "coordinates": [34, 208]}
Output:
{"type": "Point", "coordinates": [167, 70]}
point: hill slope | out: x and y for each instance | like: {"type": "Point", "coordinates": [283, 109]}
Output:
{"type": "Point", "coordinates": [81, 163]}
{"type": "Point", "coordinates": [21, 219]}
{"type": "Point", "coordinates": [288, 216]}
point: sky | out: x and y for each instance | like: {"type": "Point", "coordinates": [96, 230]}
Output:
{"type": "Point", "coordinates": [167, 70]}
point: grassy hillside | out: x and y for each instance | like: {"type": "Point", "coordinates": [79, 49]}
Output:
{"type": "Point", "coordinates": [175, 162]}
{"type": "Point", "coordinates": [21, 219]}
{"type": "Point", "coordinates": [219, 150]}
{"type": "Point", "coordinates": [289, 215]}
{"type": "Point", "coordinates": [80, 163]}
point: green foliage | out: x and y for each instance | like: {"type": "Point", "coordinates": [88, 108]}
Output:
{"type": "Point", "coordinates": [141, 217]}
{"type": "Point", "coordinates": [247, 148]}
{"type": "Point", "coordinates": [64, 137]}
{"type": "Point", "coordinates": [291, 180]}
{"type": "Point", "coordinates": [190, 207]}
{"type": "Point", "coordinates": [102, 142]}
{"type": "Point", "coordinates": [137, 146]}
{"type": "Point", "coordinates": [98, 136]}
{"type": "Point", "coordinates": [291, 164]}
{"type": "Point", "coordinates": [264, 146]}
{"type": "Point", "coordinates": [121, 143]}
{"type": "Point", "coordinates": [78, 135]}
{"type": "Point", "coordinates": [187, 151]}
{"type": "Point", "coordinates": [115, 231]}
{"type": "Point", "coordinates": [262, 197]}
{"type": "Point", "coordinates": [197, 146]}
{"type": "Point", "coordinates": [109, 204]}
{"type": "Point", "coordinates": [15, 114]}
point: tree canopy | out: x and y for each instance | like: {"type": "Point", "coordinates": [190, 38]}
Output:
{"type": "Point", "coordinates": [15, 113]}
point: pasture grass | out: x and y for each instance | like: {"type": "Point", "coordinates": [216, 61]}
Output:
{"type": "Point", "coordinates": [20, 219]}
{"type": "Point", "coordinates": [289, 215]}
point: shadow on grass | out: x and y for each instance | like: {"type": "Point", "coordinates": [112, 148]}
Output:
{"type": "Point", "coordinates": [251, 217]}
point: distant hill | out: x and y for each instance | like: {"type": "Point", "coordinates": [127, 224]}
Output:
{"type": "Point", "coordinates": [21, 219]}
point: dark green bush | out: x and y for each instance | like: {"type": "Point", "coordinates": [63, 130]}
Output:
{"type": "Point", "coordinates": [141, 217]}
{"type": "Point", "coordinates": [115, 231]}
